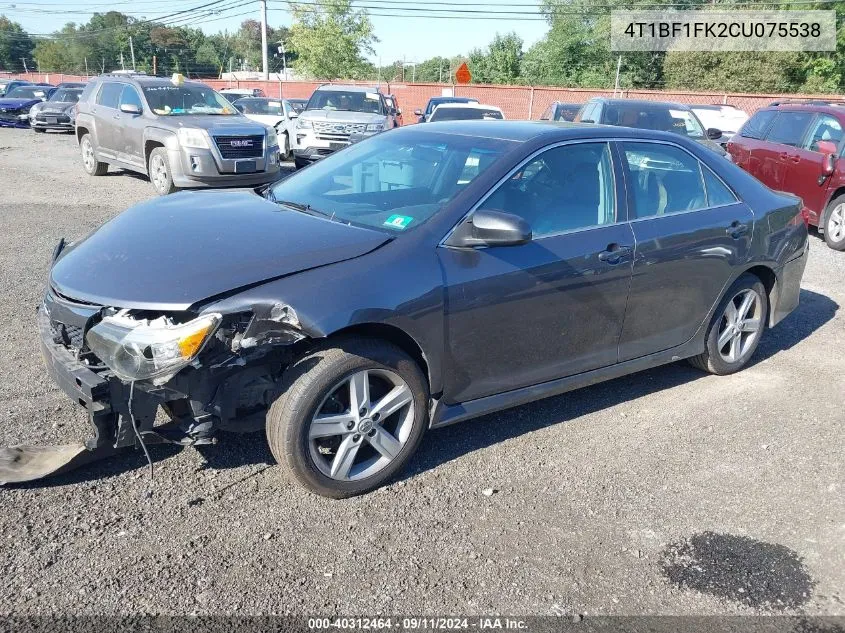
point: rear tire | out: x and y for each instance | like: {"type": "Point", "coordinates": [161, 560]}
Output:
{"type": "Point", "coordinates": [285, 151]}
{"type": "Point", "coordinates": [834, 224]}
{"type": "Point", "coordinates": [92, 166]}
{"type": "Point", "coordinates": [736, 327]}
{"type": "Point", "coordinates": [299, 163]}
{"type": "Point", "coordinates": [329, 429]}
{"type": "Point", "coordinates": [158, 168]}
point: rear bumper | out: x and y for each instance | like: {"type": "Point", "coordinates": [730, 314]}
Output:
{"type": "Point", "coordinates": [789, 288]}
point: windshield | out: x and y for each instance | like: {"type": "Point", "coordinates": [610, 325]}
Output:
{"type": "Point", "coordinates": [66, 95]}
{"type": "Point", "coordinates": [167, 100]}
{"type": "Point", "coordinates": [655, 117]}
{"type": "Point", "coordinates": [259, 106]}
{"type": "Point", "coordinates": [369, 102]}
{"type": "Point", "coordinates": [446, 113]}
{"type": "Point", "coordinates": [391, 182]}
{"type": "Point", "coordinates": [27, 92]}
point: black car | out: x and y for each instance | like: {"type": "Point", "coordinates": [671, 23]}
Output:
{"type": "Point", "coordinates": [436, 101]}
{"type": "Point", "coordinates": [559, 111]}
{"type": "Point", "coordinates": [419, 278]}
{"type": "Point", "coordinates": [665, 116]}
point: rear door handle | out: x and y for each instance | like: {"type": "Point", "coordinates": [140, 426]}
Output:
{"type": "Point", "coordinates": [614, 253]}
{"type": "Point", "coordinates": [116, 117]}
{"type": "Point", "coordinates": [737, 229]}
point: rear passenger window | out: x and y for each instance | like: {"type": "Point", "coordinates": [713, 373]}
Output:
{"type": "Point", "coordinates": [789, 127]}
{"type": "Point", "coordinates": [826, 128]}
{"type": "Point", "coordinates": [547, 115]}
{"type": "Point", "coordinates": [109, 96]}
{"type": "Point", "coordinates": [717, 192]}
{"type": "Point", "coordinates": [758, 125]}
{"type": "Point", "coordinates": [664, 179]}
{"type": "Point", "coordinates": [563, 189]}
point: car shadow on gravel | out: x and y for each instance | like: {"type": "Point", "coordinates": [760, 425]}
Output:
{"type": "Point", "coordinates": [452, 442]}
{"type": "Point", "coordinates": [236, 450]}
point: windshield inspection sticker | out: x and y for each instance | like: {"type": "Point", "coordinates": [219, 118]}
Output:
{"type": "Point", "coordinates": [400, 222]}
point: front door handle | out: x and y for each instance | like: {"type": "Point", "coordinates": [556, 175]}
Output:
{"type": "Point", "coordinates": [737, 229]}
{"type": "Point", "coordinates": [614, 253]}
{"type": "Point", "coordinates": [116, 117]}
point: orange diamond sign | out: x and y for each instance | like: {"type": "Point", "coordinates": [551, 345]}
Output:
{"type": "Point", "coordinates": [462, 75]}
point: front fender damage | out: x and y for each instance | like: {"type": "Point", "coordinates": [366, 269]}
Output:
{"type": "Point", "coordinates": [228, 387]}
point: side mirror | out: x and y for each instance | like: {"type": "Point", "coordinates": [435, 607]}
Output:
{"type": "Point", "coordinates": [826, 147]}
{"type": "Point", "coordinates": [293, 114]}
{"type": "Point", "coordinates": [714, 134]}
{"type": "Point", "coordinates": [398, 111]}
{"type": "Point", "coordinates": [418, 112]}
{"type": "Point", "coordinates": [829, 165]}
{"type": "Point", "coordinates": [130, 108]}
{"type": "Point", "coordinates": [491, 228]}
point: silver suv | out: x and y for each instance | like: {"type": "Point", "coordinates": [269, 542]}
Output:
{"type": "Point", "coordinates": [333, 114]}
{"type": "Point", "coordinates": [179, 133]}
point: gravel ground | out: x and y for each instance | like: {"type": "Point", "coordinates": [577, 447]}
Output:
{"type": "Point", "coordinates": [666, 492]}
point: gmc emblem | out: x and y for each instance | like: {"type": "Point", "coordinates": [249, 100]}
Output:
{"type": "Point", "coordinates": [242, 143]}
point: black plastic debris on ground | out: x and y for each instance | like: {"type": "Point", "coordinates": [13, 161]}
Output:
{"type": "Point", "coordinates": [757, 574]}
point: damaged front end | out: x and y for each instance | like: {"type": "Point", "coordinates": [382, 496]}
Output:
{"type": "Point", "coordinates": [206, 371]}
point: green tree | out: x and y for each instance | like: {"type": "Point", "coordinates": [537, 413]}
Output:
{"type": "Point", "coordinates": [734, 71]}
{"type": "Point", "coordinates": [15, 43]}
{"type": "Point", "coordinates": [331, 39]}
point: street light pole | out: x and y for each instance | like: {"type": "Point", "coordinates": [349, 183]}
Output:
{"type": "Point", "coordinates": [265, 68]}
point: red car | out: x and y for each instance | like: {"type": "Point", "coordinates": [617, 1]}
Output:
{"type": "Point", "coordinates": [796, 147]}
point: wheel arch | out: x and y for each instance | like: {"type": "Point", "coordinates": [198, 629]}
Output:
{"type": "Point", "coordinates": [839, 191]}
{"type": "Point", "coordinates": [80, 132]}
{"type": "Point", "coordinates": [395, 335]}
{"type": "Point", "coordinates": [770, 281]}
{"type": "Point", "coordinates": [149, 145]}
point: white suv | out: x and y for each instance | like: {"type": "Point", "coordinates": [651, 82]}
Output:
{"type": "Point", "coordinates": [333, 114]}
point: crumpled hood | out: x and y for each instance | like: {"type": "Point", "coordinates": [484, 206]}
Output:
{"type": "Point", "coordinates": [342, 116]}
{"type": "Point", "coordinates": [17, 104]}
{"type": "Point", "coordinates": [172, 252]}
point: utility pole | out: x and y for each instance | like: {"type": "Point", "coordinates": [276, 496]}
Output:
{"type": "Point", "coordinates": [86, 67]}
{"type": "Point", "coordinates": [132, 51]}
{"type": "Point", "coordinates": [440, 71]}
{"type": "Point", "coordinates": [284, 61]}
{"type": "Point", "coordinates": [618, 68]}
{"type": "Point", "coordinates": [265, 68]}
{"type": "Point", "coordinates": [155, 66]}
{"type": "Point", "coordinates": [122, 65]}
{"type": "Point", "coordinates": [25, 69]}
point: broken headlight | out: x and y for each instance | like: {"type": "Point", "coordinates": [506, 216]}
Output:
{"type": "Point", "coordinates": [149, 349]}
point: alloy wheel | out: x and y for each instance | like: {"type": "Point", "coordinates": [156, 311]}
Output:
{"type": "Point", "coordinates": [362, 425]}
{"type": "Point", "coordinates": [740, 325]}
{"type": "Point", "coordinates": [158, 173]}
{"type": "Point", "coordinates": [88, 155]}
{"type": "Point", "coordinates": [836, 223]}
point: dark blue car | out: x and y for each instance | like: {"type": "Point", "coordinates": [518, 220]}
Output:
{"type": "Point", "coordinates": [15, 106]}
{"type": "Point", "coordinates": [424, 276]}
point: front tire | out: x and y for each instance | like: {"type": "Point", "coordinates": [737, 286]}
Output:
{"type": "Point", "coordinates": [158, 168]}
{"type": "Point", "coordinates": [299, 163]}
{"type": "Point", "coordinates": [834, 224]}
{"type": "Point", "coordinates": [736, 328]}
{"type": "Point", "coordinates": [92, 166]}
{"type": "Point", "coordinates": [39, 130]}
{"type": "Point", "coordinates": [351, 414]}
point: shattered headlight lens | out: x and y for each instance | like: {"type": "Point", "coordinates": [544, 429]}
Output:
{"type": "Point", "coordinates": [192, 137]}
{"type": "Point", "coordinates": [143, 350]}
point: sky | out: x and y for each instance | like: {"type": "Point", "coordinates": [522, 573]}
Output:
{"type": "Point", "coordinates": [413, 38]}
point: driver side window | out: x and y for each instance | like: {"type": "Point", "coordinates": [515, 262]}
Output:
{"type": "Point", "coordinates": [563, 189]}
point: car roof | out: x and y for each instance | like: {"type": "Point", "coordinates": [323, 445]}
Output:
{"type": "Point", "coordinates": [341, 88]}
{"type": "Point", "coordinates": [146, 80]}
{"type": "Point", "coordinates": [836, 111]}
{"type": "Point", "coordinates": [642, 102]}
{"type": "Point", "coordinates": [523, 131]}
{"type": "Point", "coordinates": [469, 106]}
{"type": "Point", "coordinates": [452, 99]}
